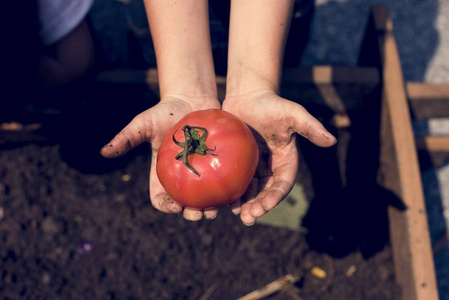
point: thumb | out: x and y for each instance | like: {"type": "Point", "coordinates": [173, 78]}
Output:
{"type": "Point", "coordinates": [309, 127]}
{"type": "Point", "coordinates": [134, 134]}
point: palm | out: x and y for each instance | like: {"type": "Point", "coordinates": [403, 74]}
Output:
{"type": "Point", "coordinates": [274, 121]}
{"type": "Point", "coordinates": [151, 126]}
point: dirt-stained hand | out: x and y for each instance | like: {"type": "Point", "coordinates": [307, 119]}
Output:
{"type": "Point", "coordinates": [275, 122]}
{"type": "Point", "coordinates": [151, 126]}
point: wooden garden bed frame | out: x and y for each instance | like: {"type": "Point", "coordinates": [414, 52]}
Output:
{"type": "Point", "coordinates": [400, 173]}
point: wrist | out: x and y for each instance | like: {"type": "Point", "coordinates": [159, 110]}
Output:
{"type": "Point", "coordinates": [198, 95]}
{"type": "Point", "coordinates": [185, 83]}
{"type": "Point", "coordinates": [249, 81]}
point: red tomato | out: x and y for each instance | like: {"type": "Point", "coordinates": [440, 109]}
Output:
{"type": "Point", "coordinates": [215, 168]}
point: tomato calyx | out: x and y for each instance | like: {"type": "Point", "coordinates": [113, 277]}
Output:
{"type": "Point", "coordinates": [193, 143]}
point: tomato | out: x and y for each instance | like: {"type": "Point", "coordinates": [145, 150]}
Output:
{"type": "Point", "coordinates": [207, 159]}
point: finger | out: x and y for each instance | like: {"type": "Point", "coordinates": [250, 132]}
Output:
{"type": "Point", "coordinates": [135, 133]}
{"type": "Point", "coordinates": [249, 198]}
{"type": "Point", "coordinates": [159, 197]}
{"type": "Point", "coordinates": [245, 214]}
{"type": "Point", "coordinates": [192, 214]}
{"type": "Point", "coordinates": [309, 127]}
{"type": "Point", "coordinates": [244, 203]}
{"type": "Point", "coordinates": [269, 198]}
{"type": "Point", "coordinates": [254, 205]}
{"type": "Point", "coordinates": [249, 194]}
{"type": "Point", "coordinates": [236, 206]}
{"type": "Point", "coordinates": [210, 214]}
{"type": "Point", "coordinates": [277, 187]}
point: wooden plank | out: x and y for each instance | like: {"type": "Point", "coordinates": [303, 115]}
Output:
{"type": "Point", "coordinates": [430, 91]}
{"type": "Point", "coordinates": [433, 143]}
{"type": "Point", "coordinates": [301, 75]}
{"type": "Point", "coordinates": [322, 75]}
{"type": "Point", "coordinates": [14, 132]}
{"type": "Point", "coordinates": [400, 173]}
{"type": "Point", "coordinates": [428, 100]}
{"type": "Point", "coordinates": [340, 89]}
{"type": "Point", "coordinates": [325, 79]}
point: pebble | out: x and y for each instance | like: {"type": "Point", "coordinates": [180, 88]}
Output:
{"type": "Point", "coordinates": [46, 278]}
{"type": "Point", "coordinates": [50, 226]}
{"type": "Point", "coordinates": [126, 177]}
{"type": "Point", "coordinates": [318, 272]}
{"type": "Point", "coordinates": [351, 270]}
{"type": "Point", "coordinates": [84, 248]}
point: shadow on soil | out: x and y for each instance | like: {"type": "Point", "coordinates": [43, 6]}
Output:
{"type": "Point", "coordinates": [348, 211]}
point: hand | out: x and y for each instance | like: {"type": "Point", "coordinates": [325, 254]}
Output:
{"type": "Point", "coordinates": [275, 121]}
{"type": "Point", "coordinates": [151, 126]}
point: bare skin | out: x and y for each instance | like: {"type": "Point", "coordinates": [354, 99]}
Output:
{"type": "Point", "coordinates": [187, 82]}
{"type": "Point", "coordinates": [181, 38]}
{"type": "Point", "coordinates": [253, 79]}
{"type": "Point", "coordinates": [277, 122]}
{"type": "Point", "coordinates": [151, 126]}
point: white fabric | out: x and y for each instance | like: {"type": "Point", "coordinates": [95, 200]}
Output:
{"type": "Point", "coordinates": [59, 17]}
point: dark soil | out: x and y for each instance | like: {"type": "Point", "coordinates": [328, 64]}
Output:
{"type": "Point", "coordinates": [70, 232]}
{"type": "Point", "coordinates": [53, 213]}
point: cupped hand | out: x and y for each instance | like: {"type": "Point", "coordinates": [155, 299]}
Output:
{"type": "Point", "coordinates": [151, 126]}
{"type": "Point", "coordinates": [275, 122]}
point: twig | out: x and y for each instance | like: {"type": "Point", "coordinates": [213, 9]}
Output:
{"type": "Point", "coordinates": [293, 292]}
{"type": "Point", "coordinates": [271, 288]}
{"type": "Point", "coordinates": [209, 291]}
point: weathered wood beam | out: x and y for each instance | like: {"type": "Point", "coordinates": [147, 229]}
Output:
{"type": "Point", "coordinates": [433, 143]}
{"type": "Point", "coordinates": [428, 100]}
{"type": "Point", "coordinates": [409, 231]}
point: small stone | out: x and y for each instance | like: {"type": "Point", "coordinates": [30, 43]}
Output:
{"type": "Point", "coordinates": [46, 278]}
{"type": "Point", "coordinates": [318, 272]}
{"type": "Point", "coordinates": [126, 177]}
{"type": "Point", "coordinates": [49, 226]}
{"type": "Point", "coordinates": [120, 198]}
{"type": "Point", "coordinates": [88, 247]}
{"type": "Point", "coordinates": [351, 270]}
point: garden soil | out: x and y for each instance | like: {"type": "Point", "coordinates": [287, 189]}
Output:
{"type": "Point", "coordinates": [76, 226]}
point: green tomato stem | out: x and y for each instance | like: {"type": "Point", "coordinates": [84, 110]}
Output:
{"type": "Point", "coordinates": [193, 143]}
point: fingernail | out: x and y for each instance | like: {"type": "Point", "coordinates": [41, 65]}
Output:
{"type": "Point", "coordinates": [330, 136]}
{"type": "Point", "coordinates": [235, 211]}
{"type": "Point", "coordinates": [251, 224]}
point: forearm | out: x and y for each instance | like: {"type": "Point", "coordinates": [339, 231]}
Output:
{"type": "Point", "coordinates": [257, 35]}
{"type": "Point", "coordinates": [181, 38]}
